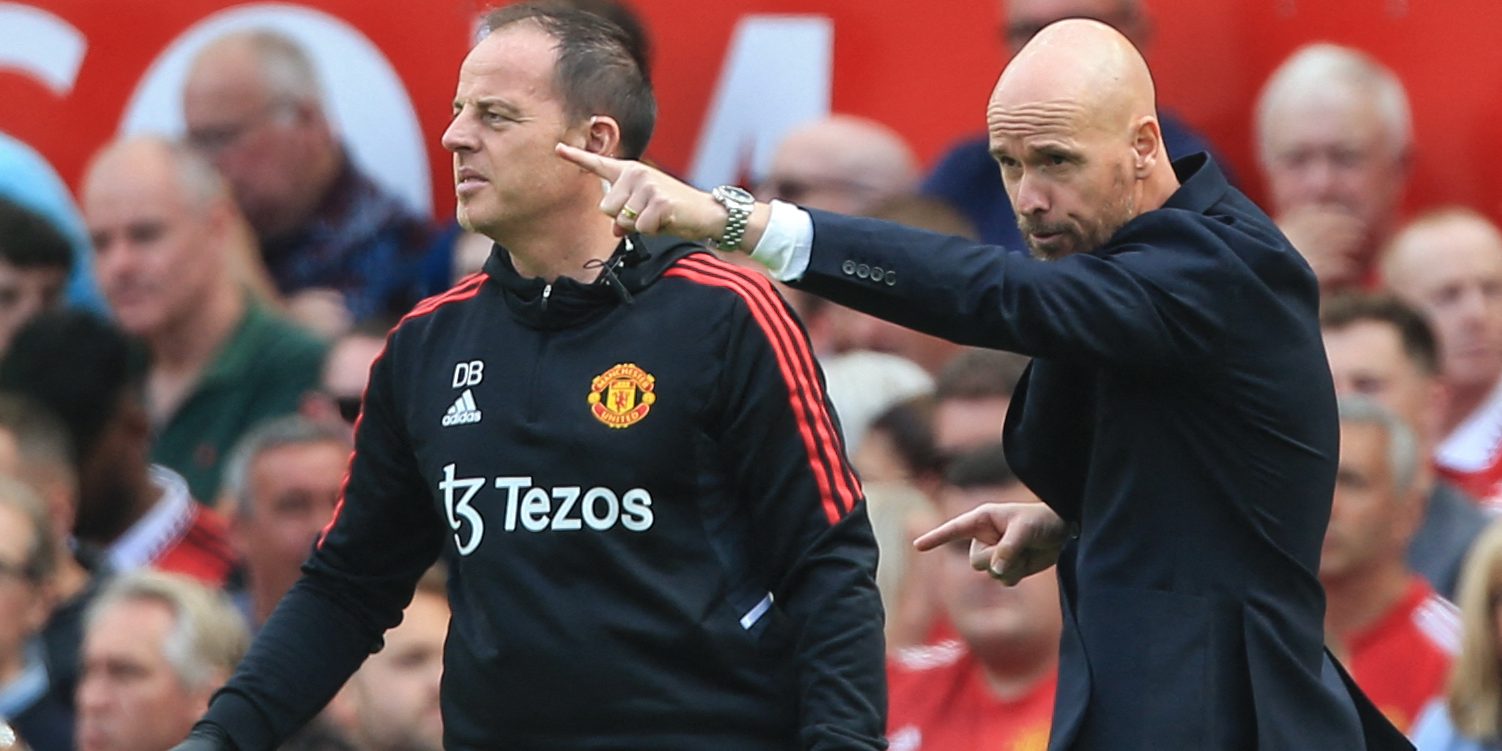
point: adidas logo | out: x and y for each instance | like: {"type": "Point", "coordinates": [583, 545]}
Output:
{"type": "Point", "coordinates": [463, 412]}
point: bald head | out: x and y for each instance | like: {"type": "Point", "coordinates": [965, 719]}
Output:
{"type": "Point", "coordinates": [252, 104]}
{"type": "Point", "coordinates": [1448, 264]}
{"type": "Point", "coordinates": [159, 217]}
{"type": "Point", "coordinates": [841, 163]}
{"type": "Point", "coordinates": [1074, 125]}
{"type": "Point", "coordinates": [1086, 65]}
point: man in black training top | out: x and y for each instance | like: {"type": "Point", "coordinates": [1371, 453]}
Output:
{"type": "Point", "coordinates": [621, 447]}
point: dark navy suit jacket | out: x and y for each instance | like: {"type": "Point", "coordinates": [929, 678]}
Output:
{"type": "Point", "coordinates": [1180, 411]}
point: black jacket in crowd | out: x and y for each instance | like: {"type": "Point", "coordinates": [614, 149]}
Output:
{"type": "Point", "coordinates": [653, 536]}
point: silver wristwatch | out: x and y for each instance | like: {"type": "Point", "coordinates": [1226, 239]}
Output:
{"type": "Point", "coordinates": [738, 203]}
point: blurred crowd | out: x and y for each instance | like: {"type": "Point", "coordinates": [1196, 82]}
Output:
{"type": "Point", "coordinates": [174, 439]}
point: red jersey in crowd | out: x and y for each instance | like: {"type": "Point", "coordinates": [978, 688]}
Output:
{"type": "Point", "coordinates": [940, 701]}
{"type": "Point", "coordinates": [1403, 659]}
{"type": "Point", "coordinates": [1471, 455]}
{"type": "Point", "coordinates": [178, 535]}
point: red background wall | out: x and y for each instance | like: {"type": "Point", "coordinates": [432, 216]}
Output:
{"type": "Point", "coordinates": [924, 68]}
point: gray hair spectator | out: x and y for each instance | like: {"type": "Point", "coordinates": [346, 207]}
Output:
{"type": "Point", "coordinates": [1334, 138]}
{"type": "Point", "coordinates": [282, 483]}
{"type": "Point", "coordinates": [252, 104]}
{"type": "Point", "coordinates": [156, 647]}
{"type": "Point", "coordinates": [1397, 635]}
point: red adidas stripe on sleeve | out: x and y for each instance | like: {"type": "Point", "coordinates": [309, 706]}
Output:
{"type": "Point", "coordinates": [838, 488]}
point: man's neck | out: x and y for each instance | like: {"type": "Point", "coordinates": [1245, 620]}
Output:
{"type": "Point", "coordinates": [561, 247]}
{"type": "Point", "coordinates": [182, 350]}
{"type": "Point", "coordinates": [1355, 603]}
{"type": "Point", "coordinates": [1010, 675]}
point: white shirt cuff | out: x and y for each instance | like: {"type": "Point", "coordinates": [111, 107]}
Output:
{"type": "Point", "coordinates": [786, 243]}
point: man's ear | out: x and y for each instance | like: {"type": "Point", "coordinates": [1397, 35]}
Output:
{"type": "Point", "coordinates": [1147, 146]}
{"type": "Point", "coordinates": [603, 136]}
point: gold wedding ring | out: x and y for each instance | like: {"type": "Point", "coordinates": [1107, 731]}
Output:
{"type": "Point", "coordinates": [629, 213]}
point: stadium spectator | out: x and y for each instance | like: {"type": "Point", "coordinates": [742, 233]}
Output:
{"type": "Point", "coordinates": [391, 702]}
{"type": "Point", "coordinates": [899, 446]}
{"type": "Point", "coordinates": [973, 394]}
{"type": "Point", "coordinates": [1334, 139]}
{"type": "Point", "coordinates": [346, 369]}
{"type": "Point", "coordinates": [842, 163]}
{"type": "Point", "coordinates": [1468, 717]}
{"type": "Point", "coordinates": [1381, 348]}
{"type": "Point", "coordinates": [1448, 264]}
{"type": "Point", "coordinates": [967, 178]}
{"type": "Point", "coordinates": [34, 264]}
{"type": "Point", "coordinates": [156, 647]}
{"type": "Point", "coordinates": [163, 228]}
{"type": "Point", "coordinates": [27, 697]}
{"type": "Point", "coordinates": [253, 105]}
{"type": "Point", "coordinates": [1395, 633]}
{"type": "Point", "coordinates": [282, 483]}
{"type": "Point", "coordinates": [139, 514]}
{"type": "Point", "coordinates": [35, 448]}
{"type": "Point", "coordinates": [993, 685]}
{"type": "Point", "coordinates": [29, 180]}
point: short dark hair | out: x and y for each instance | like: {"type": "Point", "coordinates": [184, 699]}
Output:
{"type": "Point", "coordinates": [981, 467]}
{"type": "Point", "coordinates": [29, 240]}
{"type": "Point", "coordinates": [639, 43]}
{"type": "Point", "coordinates": [910, 425]}
{"type": "Point", "coordinates": [77, 365]}
{"type": "Point", "coordinates": [980, 374]}
{"type": "Point", "coordinates": [1417, 337]}
{"type": "Point", "coordinates": [597, 72]}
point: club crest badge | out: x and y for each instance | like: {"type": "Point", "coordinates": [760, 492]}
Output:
{"type": "Point", "coordinates": [621, 396]}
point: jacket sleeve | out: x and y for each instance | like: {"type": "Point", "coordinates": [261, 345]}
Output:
{"type": "Point", "coordinates": [1158, 298]}
{"type": "Point", "coordinates": [361, 575]}
{"type": "Point", "coordinates": [780, 439]}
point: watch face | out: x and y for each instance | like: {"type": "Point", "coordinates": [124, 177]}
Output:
{"type": "Point", "coordinates": [736, 194]}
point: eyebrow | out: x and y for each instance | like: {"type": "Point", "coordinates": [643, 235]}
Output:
{"type": "Point", "coordinates": [493, 103]}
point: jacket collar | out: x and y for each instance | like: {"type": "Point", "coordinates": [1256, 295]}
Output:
{"type": "Point", "coordinates": [1201, 183]}
{"type": "Point", "coordinates": [634, 265]}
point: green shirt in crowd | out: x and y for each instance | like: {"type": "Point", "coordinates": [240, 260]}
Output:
{"type": "Point", "coordinates": [263, 371]}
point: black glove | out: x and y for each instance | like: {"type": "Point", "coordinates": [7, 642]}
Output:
{"type": "Point", "coordinates": [206, 737]}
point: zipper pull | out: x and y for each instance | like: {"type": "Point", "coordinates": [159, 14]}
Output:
{"type": "Point", "coordinates": [547, 291]}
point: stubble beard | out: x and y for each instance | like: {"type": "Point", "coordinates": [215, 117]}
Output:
{"type": "Point", "coordinates": [1087, 237]}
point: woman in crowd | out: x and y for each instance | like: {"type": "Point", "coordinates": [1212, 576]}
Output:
{"type": "Point", "coordinates": [1469, 717]}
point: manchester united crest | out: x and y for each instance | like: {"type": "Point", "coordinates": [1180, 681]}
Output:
{"type": "Point", "coordinates": [622, 396]}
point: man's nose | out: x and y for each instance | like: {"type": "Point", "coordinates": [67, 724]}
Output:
{"type": "Point", "coordinates": [459, 135]}
{"type": "Point", "coordinates": [1032, 195]}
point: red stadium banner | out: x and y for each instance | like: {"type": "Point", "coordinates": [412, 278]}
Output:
{"type": "Point", "coordinates": [732, 76]}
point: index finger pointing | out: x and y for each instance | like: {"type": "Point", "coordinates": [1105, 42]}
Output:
{"type": "Point", "coordinates": [966, 526]}
{"type": "Point", "coordinates": [604, 166]}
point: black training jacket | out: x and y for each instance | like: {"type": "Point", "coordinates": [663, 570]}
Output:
{"type": "Point", "coordinates": [653, 536]}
